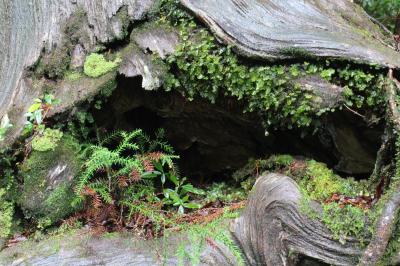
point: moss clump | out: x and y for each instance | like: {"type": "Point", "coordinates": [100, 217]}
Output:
{"type": "Point", "coordinates": [47, 141]}
{"type": "Point", "coordinates": [344, 221]}
{"type": "Point", "coordinates": [256, 167]}
{"type": "Point", "coordinates": [321, 183]}
{"type": "Point", "coordinates": [47, 190]}
{"type": "Point", "coordinates": [96, 65]}
{"type": "Point", "coordinates": [6, 215]}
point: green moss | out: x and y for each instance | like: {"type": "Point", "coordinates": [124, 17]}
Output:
{"type": "Point", "coordinates": [317, 184]}
{"type": "Point", "coordinates": [42, 197]}
{"type": "Point", "coordinates": [198, 235]}
{"type": "Point", "coordinates": [96, 65]}
{"type": "Point", "coordinates": [55, 64]}
{"type": "Point", "coordinates": [47, 141]}
{"type": "Point", "coordinates": [321, 183]}
{"type": "Point", "coordinates": [254, 167]}
{"type": "Point", "coordinates": [73, 75]}
{"type": "Point", "coordinates": [6, 215]}
{"type": "Point", "coordinates": [345, 221]}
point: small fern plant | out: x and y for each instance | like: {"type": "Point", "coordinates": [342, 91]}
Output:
{"type": "Point", "coordinates": [121, 159]}
{"type": "Point", "coordinates": [132, 167]}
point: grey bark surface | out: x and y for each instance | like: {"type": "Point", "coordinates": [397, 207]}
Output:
{"type": "Point", "coordinates": [84, 249]}
{"type": "Point", "coordinates": [81, 248]}
{"type": "Point", "coordinates": [29, 26]}
{"type": "Point", "coordinates": [272, 227]}
{"type": "Point", "coordinates": [281, 29]}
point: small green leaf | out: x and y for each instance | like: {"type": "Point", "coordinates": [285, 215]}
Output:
{"type": "Point", "coordinates": [192, 205]}
{"type": "Point", "coordinates": [174, 179]}
{"type": "Point", "coordinates": [191, 189]}
{"type": "Point", "coordinates": [34, 107]}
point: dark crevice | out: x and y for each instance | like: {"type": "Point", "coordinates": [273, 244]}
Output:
{"type": "Point", "coordinates": [214, 140]}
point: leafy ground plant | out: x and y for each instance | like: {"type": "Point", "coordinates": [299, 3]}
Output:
{"type": "Point", "coordinates": [129, 175]}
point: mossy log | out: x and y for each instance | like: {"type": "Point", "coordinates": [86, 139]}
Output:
{"type": "Point", "coordinates": [281, 29]}
{"type": "Point", "coordinates": [273, 230]}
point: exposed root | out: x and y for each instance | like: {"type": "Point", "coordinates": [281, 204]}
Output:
{"type": "Point", "coordinates": [384, 229]}
{"type": "Point", "coordinates": [387, 221]}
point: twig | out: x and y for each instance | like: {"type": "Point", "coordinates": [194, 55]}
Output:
{"type": "Point", "coordinates": [374, 20]}
{"type": "Point", "coordinates": [392, 94]}
{"type": "Point", "coordinates": [354, 112]}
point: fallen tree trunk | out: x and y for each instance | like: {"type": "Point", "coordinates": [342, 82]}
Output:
{"type": "Point", "coordinates": [281, 29]}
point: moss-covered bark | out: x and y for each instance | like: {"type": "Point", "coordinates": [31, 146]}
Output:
{"type": "Point", "coordinates": [46, 193]}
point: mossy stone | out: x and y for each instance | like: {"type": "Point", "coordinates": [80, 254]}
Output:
{"type": "Point", "coordinates": [47, 193]}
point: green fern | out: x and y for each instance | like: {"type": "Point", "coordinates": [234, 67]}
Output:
{"type": "Point", "coordinates": [123, 168]}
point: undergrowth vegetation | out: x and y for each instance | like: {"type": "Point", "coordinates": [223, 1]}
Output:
{"type": "Point", "coordinates": [386, 11]}
{"type": "Point", "coordinates": [129, 173]}
{"type": "Point", "coordinates": [201, 67]}
{"type": "Point", "coordinates": [128, 180]}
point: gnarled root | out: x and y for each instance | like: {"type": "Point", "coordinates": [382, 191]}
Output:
{"type": "Point", "coordinates": [273, 231]}
{"type": "Point", "coordinates": [388, 218]}
{"type": "Point", "coordinates": [384, 230]}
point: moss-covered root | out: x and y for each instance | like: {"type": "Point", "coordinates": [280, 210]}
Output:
{"type": "Point", "coordinates": [384, 229]}
{"type": "Point", "coordinates": [387, 220]}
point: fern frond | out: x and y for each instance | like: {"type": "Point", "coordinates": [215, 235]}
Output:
{"type": "Point", "coordinates": [101, 188]}
{"type": "Point", "coordinates": [115, 135]}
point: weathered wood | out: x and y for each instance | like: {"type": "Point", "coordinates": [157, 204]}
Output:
{"type": "Point", "coordinates": [83, 248]}
{"type": "Point", "coordinates": [272, 228]}
{"type": "Point", "coordinates": [29, 26]}
{"type": "Point", "coordinates": [280, 29]}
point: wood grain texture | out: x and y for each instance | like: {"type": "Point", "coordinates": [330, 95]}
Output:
{"type": "Point", "coordinates": [281, 29]}
{"type": "Point", "coordinates": [272, 227]}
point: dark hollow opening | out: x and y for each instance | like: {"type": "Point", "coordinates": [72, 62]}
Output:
{"type": "Point", "coordinates": [214, 140]}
